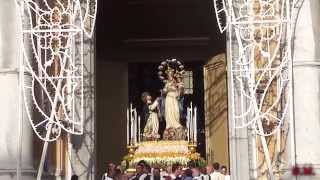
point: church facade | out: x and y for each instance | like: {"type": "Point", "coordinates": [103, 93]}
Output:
{"type": "Point", "coordinates": [106, 86]}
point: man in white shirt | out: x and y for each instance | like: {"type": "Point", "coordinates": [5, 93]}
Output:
{"type": "Point", "coordinates": [216, 175]}
{"type": "Point", "coordinates": [110, 172]}
{"type": "Point", "coordinates": [224, 171]}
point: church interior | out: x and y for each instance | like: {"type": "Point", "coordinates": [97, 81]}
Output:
{"type": "Point", "coordinates": [132, 38]}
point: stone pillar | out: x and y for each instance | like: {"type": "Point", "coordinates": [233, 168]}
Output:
{"type": "Point", "coordinates": [82, 147]}
{"type": "Point", "coordinates": [15, 133]}
{"type": "Point", "coordinates": [306, 68]}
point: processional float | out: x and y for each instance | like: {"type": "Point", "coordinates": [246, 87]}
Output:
{"type": "Point", "coordinates": [51, 70]}
{"type": "Point", "coordinates": [178, 145]}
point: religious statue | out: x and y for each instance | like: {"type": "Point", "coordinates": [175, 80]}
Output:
{"type": "Point", "coordinates": [172, 112]}
{"type": "Point", "coordinates": [150, 130]}
{"type": "Point", "coordinates": [171, 71]}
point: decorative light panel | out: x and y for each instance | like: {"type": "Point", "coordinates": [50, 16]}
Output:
{"type": "Point", "coordinates": [53, 84]}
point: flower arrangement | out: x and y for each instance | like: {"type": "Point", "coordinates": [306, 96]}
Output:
{"type": "Point", "coordinates": [164, 153]}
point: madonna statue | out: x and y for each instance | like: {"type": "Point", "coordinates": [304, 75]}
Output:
{"type": "Point", "coordinates": [171, 72]}
{"type": "Point", "coordinates": [172, 112]}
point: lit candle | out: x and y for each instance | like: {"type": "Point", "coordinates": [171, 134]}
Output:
{"type": "Point", "coordinates": [128, 142]}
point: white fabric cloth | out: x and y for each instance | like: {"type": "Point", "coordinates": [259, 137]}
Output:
{"type": "Point", "coordinates": [227, 177]}
{"type": "Point", "coordinates": [141, 177]}
{"type": "Point", "coordinates": [105, 177]}
{"type": "Point", "coordinates": [216, 176]}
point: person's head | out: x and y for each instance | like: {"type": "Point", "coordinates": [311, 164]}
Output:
{"type": "Point", "coordinates": [188, 172]}
{"type": "Point", "coordinates": [147, 168]}
{"type": "Point", "coordinates": [111, 169]}
{"type": "Point", "coordinates": [216, 166]}
{"type": "Point", "coordinates": [156, 171]}
{"type": "Point", "coordinates": [209, 168]}
{"type": "Point", "coordinates": [139, 168]}
{"type": "Point", "coordinates": [224, 170]}
{"type": "Point", "coordinates": [176, 169]}
{"type": "Point", "coordinates": [118, 171]}
{"type": "Point", "coordinates": [195, 172]}
{"type": "Point", "coordinates": [169, 169]}
{"type": "Point", "coordinates": [145, 96]}
{"type": "Point", "coordinates": [74, 177]}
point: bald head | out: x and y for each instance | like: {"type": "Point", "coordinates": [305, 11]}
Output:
{"type": "Point", "coordinates": [210, 169]}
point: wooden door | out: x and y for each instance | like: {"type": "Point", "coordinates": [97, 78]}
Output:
{"type": "Point", "coordinates": [216, 114]}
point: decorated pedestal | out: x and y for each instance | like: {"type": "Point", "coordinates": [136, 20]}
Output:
{"type": "Point", "coordinates": [162, 153]}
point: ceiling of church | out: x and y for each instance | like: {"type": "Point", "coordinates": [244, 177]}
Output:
{"type": "Point", "coordinates": [147, 29]}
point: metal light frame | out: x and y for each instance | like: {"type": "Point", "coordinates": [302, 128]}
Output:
{"type": "Point", "coordinates": [50, 32]}
{"type": "Point", "coordinates": [250, 83]}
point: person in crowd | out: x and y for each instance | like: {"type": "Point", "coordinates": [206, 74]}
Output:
{"type": "Point", "coordinates": [216, 175]}
{"type": "Point", "coordinates": [141, 171]}
{"type": "Point", "coordinates": [203, 173]}
{"type": "Point", "coordinates": [209, 171]}
{"type": "Point", "coordinates": [196, 173]}
{"type": "Point", "coordinates": [119, 175]}
{"type": "Point", "coordinates": [156, 174]}
{"type": "Point", "coordinates": [74, 177]}
{"type": "Point", "coordinates": [147, 170]}
{"type": "Point", "coordinates": [187, 175]}
{"type": "Point", "coordinates": [109, 175]}
{"type": "Point", "coordinates": [224, 171]}
{"type": "Point", "coordinates": [176, 172]}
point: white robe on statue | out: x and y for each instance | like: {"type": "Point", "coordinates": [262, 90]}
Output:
{"type": "Point", "coordinates": [172, 113]}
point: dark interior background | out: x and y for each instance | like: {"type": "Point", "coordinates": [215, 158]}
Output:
{"type": "Point", "coordinates": [135, 36]}
{"type": "Point", "coordinates": [153, 30]}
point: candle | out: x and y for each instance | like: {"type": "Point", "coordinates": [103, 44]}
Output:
{"type": "Point", "coordinates": [195, 124]}
{"type": "Point", "coordinates": [135, 126]}
{"type": "Point", "coordinates": [191, 123]}
{"type": "Point", "coordinates": [128, 127]}
{"type": "Point", "coordinates": [138, 129]}
{"type": "Point", "coordinates": [131, 125]}
{"type": "Point", "coordinates": [188, 124]}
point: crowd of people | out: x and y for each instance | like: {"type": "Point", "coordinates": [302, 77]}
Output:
{"type": "Point", "coordinates": [143, 171]}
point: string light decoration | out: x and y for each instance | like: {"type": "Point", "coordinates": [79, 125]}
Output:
{"type": "Point", "coordinates": [260, 37]}
{"type": "Point", "coordinates": [51, 30]}
{"type": "Point", "coordinates": [52, 65]}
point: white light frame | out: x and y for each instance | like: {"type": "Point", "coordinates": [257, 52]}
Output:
{"type": "Point", "coordinates": [241, 23]}
{"type": "Point", "coordinates": [50, 32]}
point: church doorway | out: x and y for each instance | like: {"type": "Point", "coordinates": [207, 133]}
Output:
{"type": "Point", "coordinates": [133, 37]}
